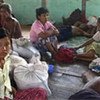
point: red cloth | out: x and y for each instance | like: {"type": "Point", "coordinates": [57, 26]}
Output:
{"type": "Point", "coordinates": [31, 94]}
{"type": "Point", "coordinates": [65, 55]}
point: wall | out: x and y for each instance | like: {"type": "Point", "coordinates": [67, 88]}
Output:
{"type": "Point", "coordinates": [93, 7]}
{"type": "Point", "coordinates": [59, 8]}
{"type": "Point", "coordinates": [24, 10]}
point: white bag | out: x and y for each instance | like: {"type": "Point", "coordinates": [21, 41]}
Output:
{"type": "Point", "coordinates": [24, 48]}
{"type": "Point", "coordinates": [22, 41]}
{"type": "Point", "coordinates": [95, 65]}
{"type": "Point", "coordinates": [17, 61]}
{"type": "Point", "coordinates": [92, 20]}
{"type": "Point", "coordinates": [32, 75]}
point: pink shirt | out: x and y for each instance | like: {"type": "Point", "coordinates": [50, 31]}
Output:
{"type": "Point", "coordinates": [37, 27]}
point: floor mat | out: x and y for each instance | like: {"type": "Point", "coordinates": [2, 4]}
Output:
{"type": "Point", "coordinates": [74, 42]}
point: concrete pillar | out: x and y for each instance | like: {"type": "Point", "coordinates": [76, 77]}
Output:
{"type": "Point", "coordinates": [44, 3]}
{"type": "Point", "coordinates": [84, 11]}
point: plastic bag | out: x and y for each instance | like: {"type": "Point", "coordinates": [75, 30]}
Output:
{"type": "Point", "coordinates": [95, 65]}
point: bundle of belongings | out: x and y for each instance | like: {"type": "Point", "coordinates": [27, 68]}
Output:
{"type": "Point", "coordinates": [29, 75]}
{"type": "Point", "coordinates": [75, 16]}
{"type": "Point", "coordinates": [24, 48]}
{"type": "Point", "coordinates": [65, 55]}
{"type": "Point", "coordinates": [22, 41]}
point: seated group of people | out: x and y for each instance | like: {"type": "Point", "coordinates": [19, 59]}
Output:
{"type": "Point", "coordinates": [43, 36]}
{"type": "Point", "coordinates": [10, 32]}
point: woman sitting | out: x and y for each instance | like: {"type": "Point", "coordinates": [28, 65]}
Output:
{"type": "Point", "coordinates": [43, 33]}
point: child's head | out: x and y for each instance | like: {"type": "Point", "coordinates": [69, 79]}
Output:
{"type": "Point", "coordinates": [40, 11]}
{"type": "Point", "coordinates": [5, 43]}
{"type": "Point", "coordinates": [42, 14]}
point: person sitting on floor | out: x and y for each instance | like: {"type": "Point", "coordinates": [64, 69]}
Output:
{"type": "Point", "coordinates": [8, 22]}
{"type": "Point", "coordinates": [7, 92]}
{"type": "Point", "coordinates": [6, 89]}
{"type": "Point", "coordinates": [91, 91]}
{"type": "Point", "coordinates": [43, 33]}
{"type": "Point", "coordinates": [92, 47]}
